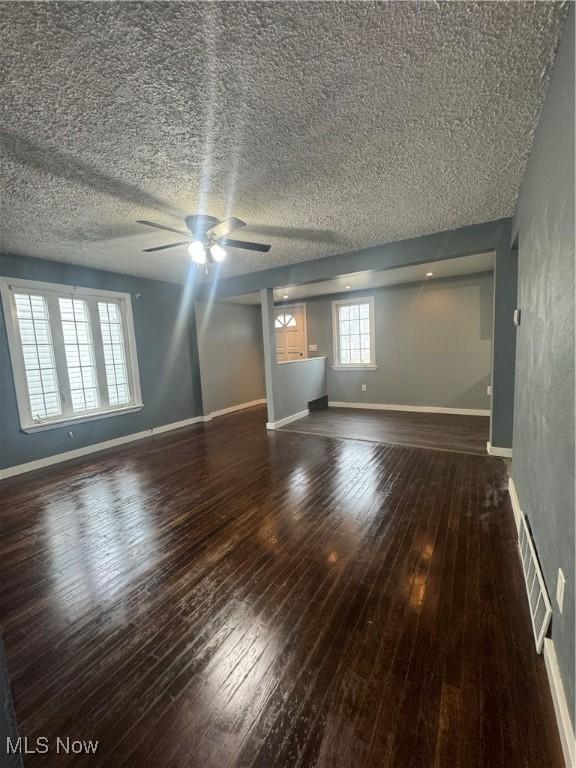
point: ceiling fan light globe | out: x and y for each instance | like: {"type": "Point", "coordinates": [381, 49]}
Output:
{"type": "Point", "coordinates": [197, 252]}
{"type": "Point", "coordinates": [217, 252]}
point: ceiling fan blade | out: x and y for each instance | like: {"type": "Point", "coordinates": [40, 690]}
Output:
{"type": "Point", "coordinates": [246, 245]}
{"type": "Point", "coordinates": [161, 226]}
{"type": "Point", "coordinates": [163, 247]}
{"type": "Point", "coordinates": [226, 226]}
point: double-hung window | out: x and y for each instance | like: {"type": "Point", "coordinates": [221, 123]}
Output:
{"type": "Point", "coordinates": [353, 324]}
{"type": "Point", "coordinates": [73, 352]}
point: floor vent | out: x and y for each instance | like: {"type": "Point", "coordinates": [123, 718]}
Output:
{"type": "Point", "coordinates": [538, 600]}
{"type": "Point", "coordinates": [319, 404]}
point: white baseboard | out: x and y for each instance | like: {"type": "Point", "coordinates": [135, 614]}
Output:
{"type": "Point", "coordinates": [233, 408]}
{"type": "Point", "coordinates": [515, 503]}
{"type": "Point", "coordinates": [30, 466]}
{"type": "Point", "coordinates": [287, 420]}
{"type": "Point", "coordinates": [411, 408]}
{"type": "Point", "coordinates": [57, 458]}
{"type": "Point", "coordinates": [494, 450]}
{"type": "Point", "coordinates": [565, 726]}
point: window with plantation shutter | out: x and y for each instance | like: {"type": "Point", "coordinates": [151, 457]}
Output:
{"type": "Point", "coordinates": [72, 350]}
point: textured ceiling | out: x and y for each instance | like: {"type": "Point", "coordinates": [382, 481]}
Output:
{"type": "Point", "coordinates": [327, 126]}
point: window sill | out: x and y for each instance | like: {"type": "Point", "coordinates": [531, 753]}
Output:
{"type": "Point", "coordinates": [31, 428]}
{"type": "Point", "coordinates": [354, 367]}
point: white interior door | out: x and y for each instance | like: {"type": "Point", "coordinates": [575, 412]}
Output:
{"type": "Point", "coordinates": [290, 325]}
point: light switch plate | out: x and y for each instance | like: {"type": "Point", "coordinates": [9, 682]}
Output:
{"type": "Point", "coordinates": [489, 389]}
{"type": "Point", "coordinates": [363, 387]}
{"type": "Point", "coordinates": [517, 316]}
{"type": "Point", "coordinates": [560, 589]}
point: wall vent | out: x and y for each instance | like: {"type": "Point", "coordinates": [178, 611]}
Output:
{"type": "Point", "coordinates": [538, 600]}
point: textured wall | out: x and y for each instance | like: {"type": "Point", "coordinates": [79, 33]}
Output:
{"type": "Point", "coordinates": [231, 354]}
{"type": "Point", "coordinates": [543, 459]}
{"type": "Point", "coordinates": [167, 376]}
{"type": "Point", "coordinates": [433, 344]}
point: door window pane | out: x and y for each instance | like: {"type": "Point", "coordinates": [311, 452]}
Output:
{"type": "Point", "coordinates": [285, 321]}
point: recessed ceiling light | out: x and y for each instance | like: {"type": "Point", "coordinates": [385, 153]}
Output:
{"type": "Point", "coordinates": [285, 296]}
{"type": "Point", "coordinates": [429, 274]}
{"type": "Point", "coordinates": [347, 287]}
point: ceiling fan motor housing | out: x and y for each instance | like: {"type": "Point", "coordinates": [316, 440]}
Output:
{"type": "Point", "coordinates": [200, 224]}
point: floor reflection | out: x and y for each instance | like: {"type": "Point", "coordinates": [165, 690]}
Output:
{"type": "Point", "coordinates": [100, 539]}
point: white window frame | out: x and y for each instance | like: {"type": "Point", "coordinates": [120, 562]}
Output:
{"type": "Point", "coordinates": [336, 364]}
{"type": "Point", "coordinates": [52, 291]}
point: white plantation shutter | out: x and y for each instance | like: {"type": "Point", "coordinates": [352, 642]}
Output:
{"type": "Point", "coordinates": [79, 349]}
{"type": "Point", "coordinates": [114, 352]}
{"type": "Point", "coordinates": [73, 352]}
{"type": "Point", "coordinates": [38, 356]}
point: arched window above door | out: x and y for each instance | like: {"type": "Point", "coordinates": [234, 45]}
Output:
{"type": "Point", "coordinates": [284, 321]}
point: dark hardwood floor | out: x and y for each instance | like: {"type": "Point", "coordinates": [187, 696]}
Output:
{"type": "Point", "coordinates": [439, 431]}
{"type": "Point", "coordinates": [226, 596]}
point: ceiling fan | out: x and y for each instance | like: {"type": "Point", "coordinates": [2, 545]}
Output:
{"type": "Point", "coordinates": [207, 238]}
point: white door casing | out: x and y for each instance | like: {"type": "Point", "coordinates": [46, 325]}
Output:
{"type": "Point", "coordinates": [290, 326]}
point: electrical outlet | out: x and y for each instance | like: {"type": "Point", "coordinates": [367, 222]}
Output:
{"type": "Point", "coordinates": [560, 589]}
{"type": "Point", "coordinates": [312, 347]}
{"type": "Point", "coordinates": [363, 387]}
{"type": "Point", "coordinates": [489, 390]}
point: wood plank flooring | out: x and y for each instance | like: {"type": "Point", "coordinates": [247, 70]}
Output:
{"type": "Point", "coordinates": [439, 431]}
{"type": "Point", "coordinates": [226, 596]}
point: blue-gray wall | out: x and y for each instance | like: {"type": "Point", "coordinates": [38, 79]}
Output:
{"type": "Point", "coordinates": [479, 238]}
{"type": "Point", "coordinates": [231, 354]}
{"type": "Point", "coordinates": [298, 383]}
{"type": "Point", "coordinates": [504, 348]}
{"type": "Point", "coordinates": [433, 344]}
{"type": "Point", "coordinates": [543, 454]}
{"type": "Point", "coordinates": [167, 358]}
